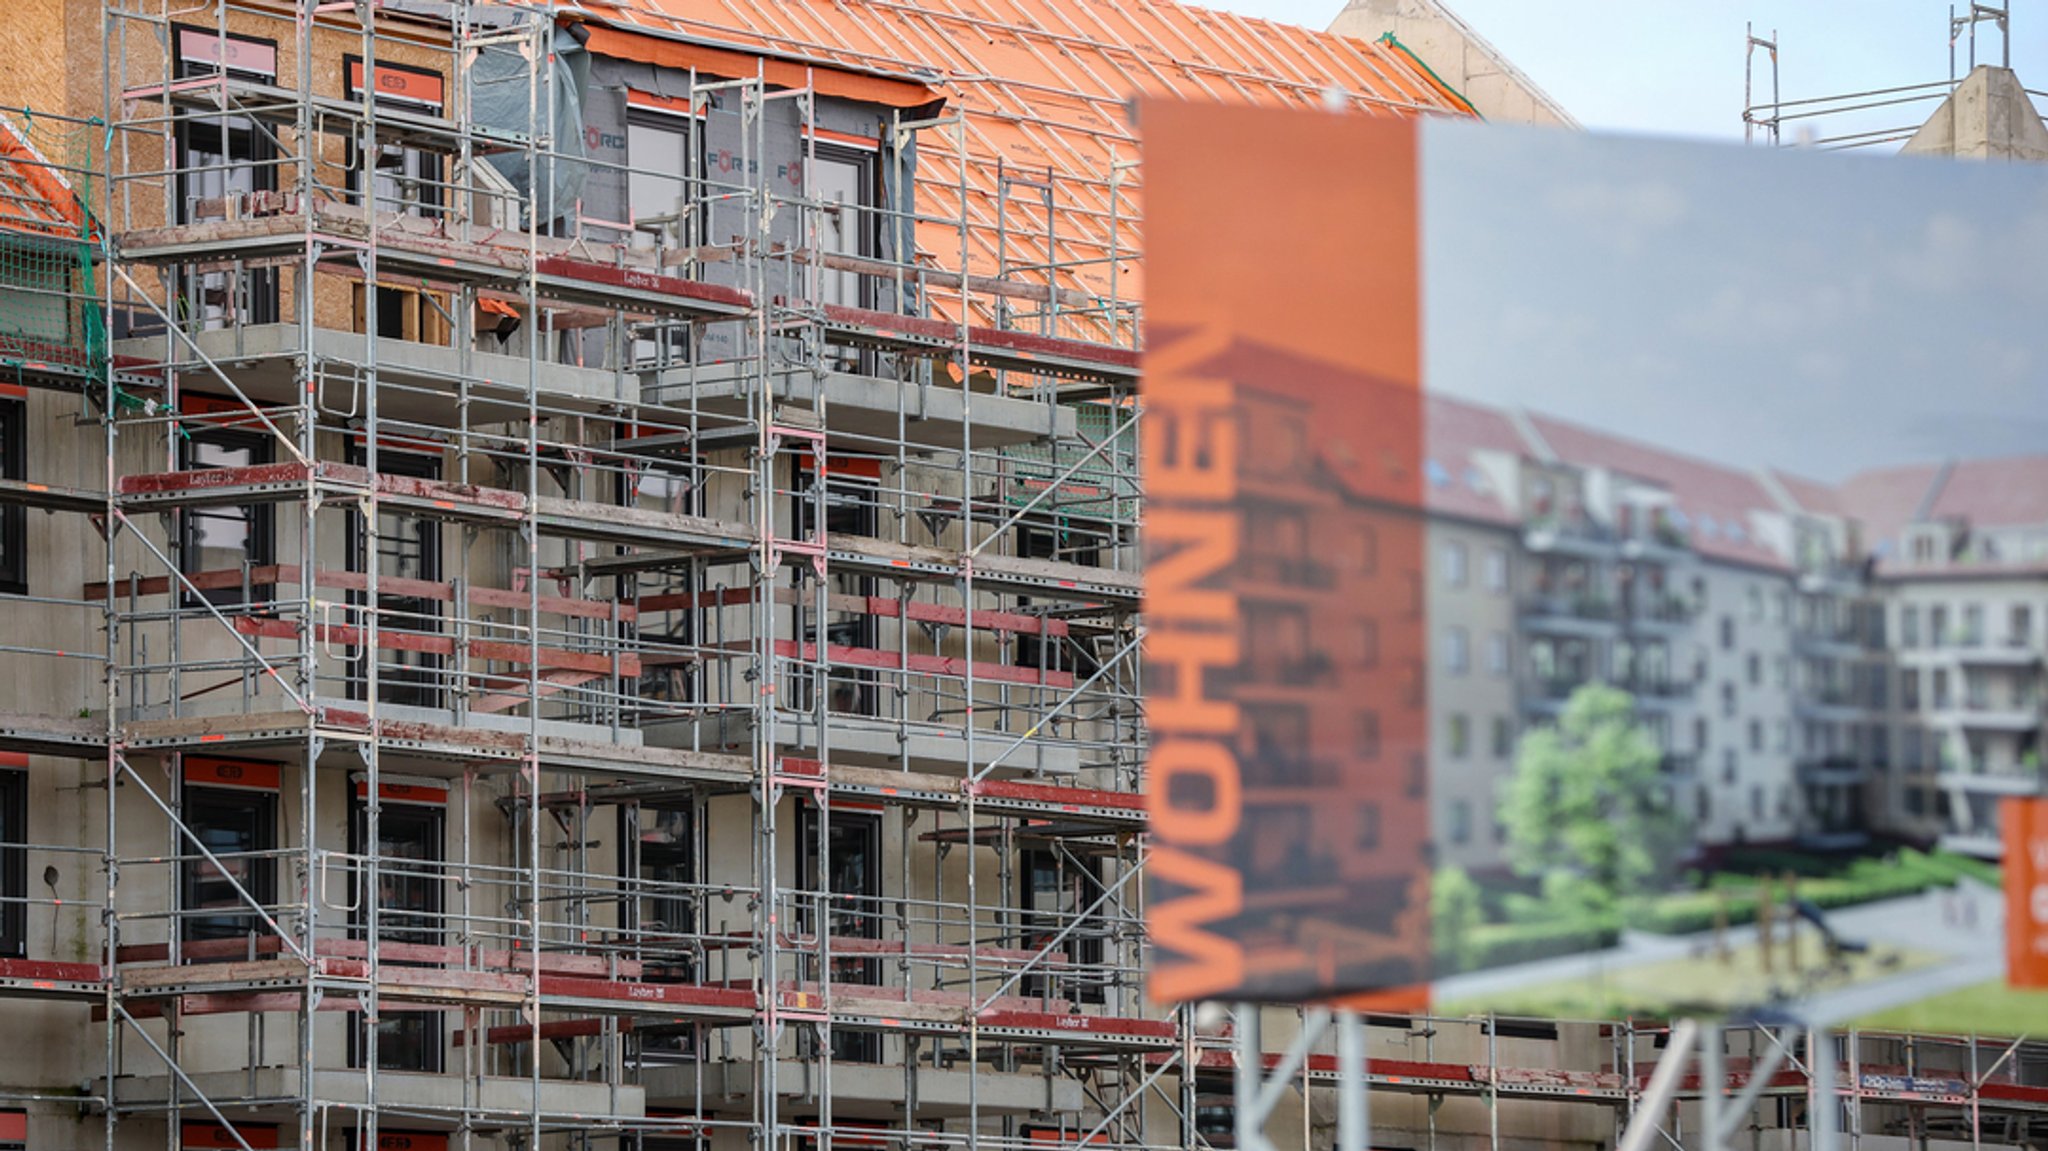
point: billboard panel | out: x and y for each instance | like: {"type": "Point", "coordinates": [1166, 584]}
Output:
{"type": "Point", "coordinates": [1593, 577]}
{"type": "Point", "coordinates": [2025, 823]}
{"type": "Point", "coordinates": [1290, 814]}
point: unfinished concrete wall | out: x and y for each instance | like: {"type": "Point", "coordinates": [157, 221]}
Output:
{"type": "Point", "coordinates": [1457, 54]}
{"type": "Point", "coordinates": [1988, 117]}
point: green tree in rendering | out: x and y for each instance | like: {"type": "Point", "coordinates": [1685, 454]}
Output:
{"type": "Point", "coordinates": [1586, 810]}
{"type": "Point", "coordinates": [1455, 913]}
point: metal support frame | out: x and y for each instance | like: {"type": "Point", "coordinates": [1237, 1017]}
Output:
{"type": "Point", "coordinates": [1998, 14]}
{"type": "Point", "coordinates": [1724, 1107]}
{"type": "Point", "coordinates": [1258, 1094]}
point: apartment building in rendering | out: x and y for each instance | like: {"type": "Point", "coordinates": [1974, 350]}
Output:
{"type": "Point", "coordinates": [1821, 664]}
{"type": "Point", "coordinates": [1623, 564]}
{"type": "Point", "coordinates": [1960, 552]}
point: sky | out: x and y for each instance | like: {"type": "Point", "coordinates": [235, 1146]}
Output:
{"type": "Point", "coordinates": [1819, 313]}
{"type": "Point", "coordinates": [1675, 67]}
{"type": "Point", "coordinates": [1704, 298]}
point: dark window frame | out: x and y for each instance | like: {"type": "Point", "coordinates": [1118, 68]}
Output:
{"type": "Point", "coordinates": [866, 921]}
{"type": "Point", "coordinates": [868, 238]}
{"type": "Point", "coordinates": [13, 517]}
{"type": "Point", "coordinates": [431, 1039]}
{"type": "Point", "coordinates": [262, 517]}
{"type": "Point", "coordinates": [430, 200]}
{"type": "Point", "coordinates": [673, 343]}
{"type": "Point", "coordinates": [1084, 949]}
{"type": "Point", "coordinates": [421, 615]}
{"type": "Point", "coordinates": [852, 507]}
{"type": "Point", "coordinates": [260, 804]}
{"type": "Point", "coordinates": [676, 1043]}
{"type": "Point", "coordinates": [198, 128]}
{"type": "Point", "coordinates": [14, 862]}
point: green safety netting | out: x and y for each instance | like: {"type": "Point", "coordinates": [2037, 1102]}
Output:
{"type": "Point", "coordinates": [1103, 488]}
{"type": "Point", "coordinates": [52, 321]}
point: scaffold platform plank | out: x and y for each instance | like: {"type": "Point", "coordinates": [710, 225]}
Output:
{"type": "Point", "coordinates": [267, 575]}
{"type": "Point", "coordinates": [47, 979]}
{"type": "Point", "coordinates": [285, 732]}
{"type": "Point", "coordinates": [278, 226]}
{"type": "Point", "coordinates": [992, 347]}
{"type": "Point", "coordinates": [546, 659]}
{"type": "Point", "coordinates": [953, 667]}
{"type": "Point", "coordinates": [68, 736]}
{"type": "Point", "coordinates": [882, 607]}
{"type": "Point", "coordinates": [50, 497]}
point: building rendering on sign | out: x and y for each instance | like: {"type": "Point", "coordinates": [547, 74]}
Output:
{"type": "Point", "coordinates": [1821, 664]}
{"type": "Point", "coordinates": [569, 575]}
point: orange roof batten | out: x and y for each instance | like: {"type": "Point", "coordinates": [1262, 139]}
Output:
{"type": "Point", "coordinates": [824, 78]}
{"type": "Point", "coordinates": [1043, 88]}
{"type": "Point", "coordinates": [43, 201]}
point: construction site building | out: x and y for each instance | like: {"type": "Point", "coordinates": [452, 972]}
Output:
{"type": "Point", "coordinates": [569, 581]}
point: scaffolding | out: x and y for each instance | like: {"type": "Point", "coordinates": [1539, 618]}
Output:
{"type": "Point", "coordinates": [1869, 118]}
{"type": "Point", "coordinates": [586, 592]}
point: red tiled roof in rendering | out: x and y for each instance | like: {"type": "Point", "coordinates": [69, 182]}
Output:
{"type": "Point", "coordinates": [1045, 86]}
{"type": "Point", "coordinates": [1718, 503]}
{"type": "Point", "coordinates": [1811, 496]}
{"type": "Point", "coordinates": [1885, 500]}
{"type": "Point", "coordinates": [1455, 434]}
{"type": "Point", "coordinates": [1987, 493]}
{"type": "Point", "coordinates": [1995, 493]}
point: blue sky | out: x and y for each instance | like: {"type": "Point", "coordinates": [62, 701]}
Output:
{"type": "Point", "coordinates": [1727, 302]}
{"type": "Point", "coordinates": [1675, 66]}
{"type": "Point", "coordinates": [1821, 313]}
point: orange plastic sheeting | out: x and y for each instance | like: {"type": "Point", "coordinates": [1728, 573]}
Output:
{"type": "Point", "coordinates": [1283, 469]}
{"type": "Point", "coordinates": [37, 198]}
{"type": "Point", "coordinates": [1045, 85]}
{"type": "Point", "coordinates": [2023, 823]}
{"type": "Point", "coordinates": [679, 54]}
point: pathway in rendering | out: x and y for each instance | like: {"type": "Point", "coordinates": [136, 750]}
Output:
{"type": "Point", "coordinates": [1943, 940]}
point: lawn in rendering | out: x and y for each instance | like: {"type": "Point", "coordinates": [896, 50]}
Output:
{"type": "Point", "coordinates": [1692, 984]}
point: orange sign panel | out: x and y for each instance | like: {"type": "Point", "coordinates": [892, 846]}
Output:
{"type": "Point", "coordinates": [411, 1141]}
{"type": "Point", "coordinates": [396, 82]}
{"type": "Point", "coordinates": [215, 1137]}
{"type": "Point", "coordinates": [214, 772]}
{"type": "Point", "coordinates": [1287, 783]}
{"type": "Point", "coordinates": [237, 53]}
{"type": "Point", "coordinates": [404, 792]}
{"type": "Point", "coordinates": [2023, 821]}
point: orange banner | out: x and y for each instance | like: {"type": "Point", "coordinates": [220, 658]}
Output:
{"type": "Point", "coordinates": [215, 1137]}
{"type": "Point", "coordinates": [214, 772]}
{"type": "Point", "coordinates": [248, 54]}
{"type": "Point", "coordinates": [398, 82]}
{"type": "Point", "coordinates": [2023, 822]}
{"type": "Point", "coordinates": [1287, 781]}
{"type": "Point", "coordinates": [404, 792]}
{"type": "Point", "coordinates": [411, 1141]}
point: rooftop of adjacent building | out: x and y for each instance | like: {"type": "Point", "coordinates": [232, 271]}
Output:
{"type": "Point", "coordinates": [1715, 503]}
{"type": "Point", "coordinates": [1044, 87]}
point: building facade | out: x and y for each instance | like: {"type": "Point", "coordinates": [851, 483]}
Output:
{"type": "Point", "coordinates": [1824, 666]}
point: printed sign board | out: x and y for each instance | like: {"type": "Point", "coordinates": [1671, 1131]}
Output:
{"type": "Point", "coordinates": [1590, 577]}
{"type": "Point", "coordinates": [1288, 789]}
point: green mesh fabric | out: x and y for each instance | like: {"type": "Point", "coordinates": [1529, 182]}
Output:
{"type": "Point", "coordinates": [51, 319]}
{"type": "Point", "coordinates": [1103, 488]}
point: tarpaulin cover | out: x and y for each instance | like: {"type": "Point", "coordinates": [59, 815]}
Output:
{"type": "Point", "coordinates": [508, 96]}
